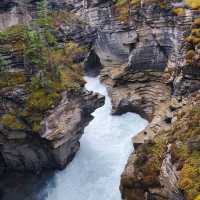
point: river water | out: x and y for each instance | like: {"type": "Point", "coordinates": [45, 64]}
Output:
{"type": "Point", "coordinates": [94, 174]}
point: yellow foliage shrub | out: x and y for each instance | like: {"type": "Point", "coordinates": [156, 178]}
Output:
{"type": "Point", "coordinates": [186, 128]}
{"type": "Point", "coordinates": [196, 32]}
{"type": "Point", "coordinates": [11, 121]}
{"type": "Point", "coordinates": [197, 22]}
{"type": "Point", "coordinates": [194, 4]}
{"type": "Point", "coordinates": [190, 178]}
{"type": "Point", "coordinates": [149, 160]}
{"type": "Point", "coordinates": [179, 11]}
{"type": "Point", "coordinates": [190, 55]}
{"type": "Point", "coordinates": [197, 197]}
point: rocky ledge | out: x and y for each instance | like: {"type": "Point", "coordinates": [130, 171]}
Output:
{"type": "Point", "coordinates": [58, 141]}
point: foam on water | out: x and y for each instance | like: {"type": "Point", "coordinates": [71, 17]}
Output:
{"type": "Point", "coordinates": [95, 172]}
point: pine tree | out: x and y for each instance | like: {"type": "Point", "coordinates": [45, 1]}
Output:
{"type": "Point", "coordinates": [3, 65]}
{"type": "Point", "coordinates": [42, 9]}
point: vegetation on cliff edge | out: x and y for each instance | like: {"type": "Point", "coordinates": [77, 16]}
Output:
{"type": "Point", "coordinates": [32, 57]}
{"type": "Point", "coordinates": [183, 143]}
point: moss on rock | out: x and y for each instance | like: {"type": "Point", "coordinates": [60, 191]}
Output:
{"type": "Point", "coordinates": [11, 121]}
{"type": "Point", "coordinates": [187, 129]}
{"type": "Point", "coordinates": [11, 79]}
{"type": "Point", "coordinates": [149, 161]}
{"type": "Point", "coordinates": [44, 68]}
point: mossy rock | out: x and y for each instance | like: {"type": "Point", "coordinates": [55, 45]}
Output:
{"type": "Point", "coordinates": [121, 9]}
{"type": "Point", "coordinates": [187, 128]}
{"type": "Point", "coordinates": [11, 79]}
{"type": "Point", "coordinates": [42, 101]}
{"type": "Point", "coordinates": [11, 121]}
{"type": "Point", "coordinates": [48, 68]}
{"type": "Point", "coordinates": [149, 160]}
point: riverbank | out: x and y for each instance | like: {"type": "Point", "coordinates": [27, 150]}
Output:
{"type": "Point", "coordinates": [95, 171]}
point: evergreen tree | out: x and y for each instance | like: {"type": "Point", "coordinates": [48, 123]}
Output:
{"type": "Point", "coordinates": [3, 65]}
{"type": "Point", "coordinates": [42, 9]}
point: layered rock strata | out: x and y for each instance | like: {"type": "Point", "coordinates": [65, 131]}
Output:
{"type": "Point", "coordinates": [145, 70]}
{"type": "Point", "coordinates": [44, 106]}
{"type": "Point", "coordinates": [57, 143]}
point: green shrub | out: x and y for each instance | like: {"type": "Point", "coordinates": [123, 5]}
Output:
{"type": "Point", "coordinates": [41, 101]}
{"type": "Point", "coordinates": [11, 79]}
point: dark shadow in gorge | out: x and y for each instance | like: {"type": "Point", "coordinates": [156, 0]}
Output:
{"type": "Point", "coordinates": [92, 64]}
{"type": "Point", "coordinates": [26, 186]}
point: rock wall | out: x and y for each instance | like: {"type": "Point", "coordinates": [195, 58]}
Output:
{"type": "Point", "coordinates": [145, 70]}
{"type": "Point", "coordinates": [56, 141]}
{"type": "Point", "coordinates": [57, 144]}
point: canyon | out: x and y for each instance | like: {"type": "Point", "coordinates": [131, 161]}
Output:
{"type": "Point", "coordinates": [149, 58]}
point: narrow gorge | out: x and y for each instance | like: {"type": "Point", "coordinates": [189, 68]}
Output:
{"type": "Point", "coordinates": [73, 73]}
{"type": "Point", "coordinates": [95, 171]}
